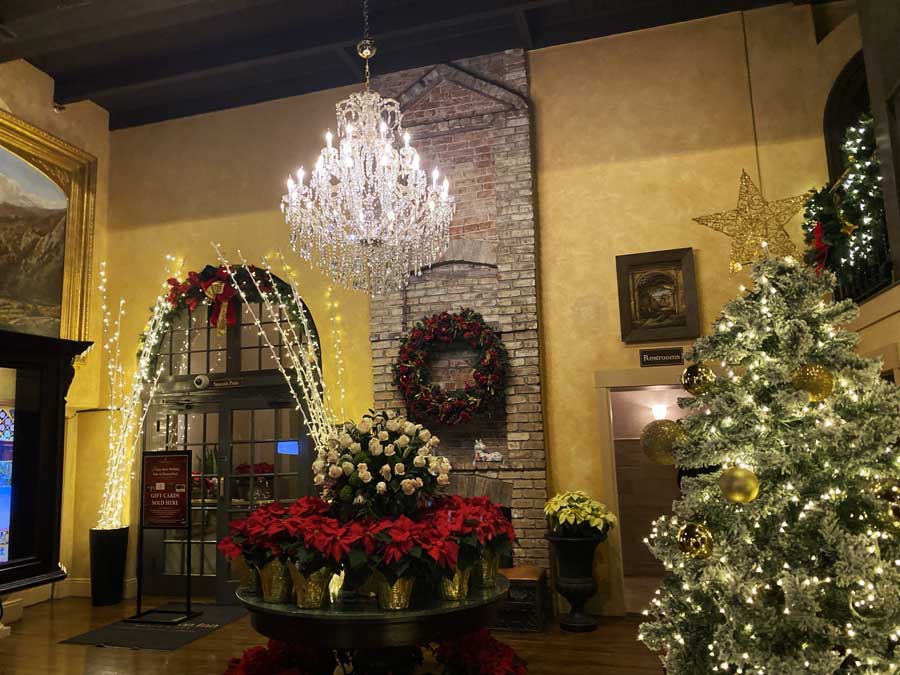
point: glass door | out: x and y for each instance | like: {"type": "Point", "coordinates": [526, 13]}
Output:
{"type": "Point", "coordinates": [270, 460]}
{"type": "Point", "coordinates": [197, 430]}
{"type": "Point", "coordinates": [246, 451]}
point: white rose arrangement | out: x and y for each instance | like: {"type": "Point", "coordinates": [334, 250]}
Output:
{"type": "Point", "coordinates": [383, 465]}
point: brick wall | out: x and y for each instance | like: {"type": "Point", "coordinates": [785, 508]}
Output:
{"type": "Point", "coordinates": [471, 119]}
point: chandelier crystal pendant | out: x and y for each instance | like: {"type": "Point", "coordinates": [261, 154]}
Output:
{"type": "Point", "coordinates": [368, 214]}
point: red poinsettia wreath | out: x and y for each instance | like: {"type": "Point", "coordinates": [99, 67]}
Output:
{"type": "Point", "coordinates": [424, 399]}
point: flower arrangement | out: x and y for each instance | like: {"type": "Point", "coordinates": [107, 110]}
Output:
{"type": "Point", "coordinates": [399, 546]}
{"type": "Point", "coordinates": [478, 653]}
{"type": "Point", "coordinates": [428, 401]}
{"type": "Point", "coordinates": [257, 468]}
{"type": "Point", "coordinates": [575, 514]}
{"type": "Point", "coordinates": [280, 658]}
{"type": "Point", "coordinates": [384, 465]}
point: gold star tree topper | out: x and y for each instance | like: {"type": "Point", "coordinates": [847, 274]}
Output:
{"type": "Point", "coordinates": [755, 222]}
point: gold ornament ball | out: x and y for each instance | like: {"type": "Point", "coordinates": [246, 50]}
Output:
{"type": "Point", "coordinates": [697, 379]}
{"type": "Point", "coordinates": [659, 437]}
{"type": "Point", "coordinates": [695, 541]}
{"type": "Point", "coordinates": [815, 380]}
{"type": "Point", "coordinates": [739, 485]}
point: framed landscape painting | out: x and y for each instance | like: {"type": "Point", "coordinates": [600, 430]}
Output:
{"type": "Point", "coordinates": [47, 192]}
{"type": "Point", "coordinates": [658, 296]}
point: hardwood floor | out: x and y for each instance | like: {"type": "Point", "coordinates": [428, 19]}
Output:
{"type": "Point", "coordinates": [34, 649]}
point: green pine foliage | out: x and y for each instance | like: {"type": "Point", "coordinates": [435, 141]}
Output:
{"type": "Point", "coordinates": [844, 221]}
{"type": "Point", "coordinates": [805, 578]}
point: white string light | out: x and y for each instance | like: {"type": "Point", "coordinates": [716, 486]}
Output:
{"type": "Point", "coordinates": [126, 411]}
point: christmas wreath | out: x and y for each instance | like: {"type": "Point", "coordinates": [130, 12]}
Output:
{"type": "Point", "coordinates": [427, 400]}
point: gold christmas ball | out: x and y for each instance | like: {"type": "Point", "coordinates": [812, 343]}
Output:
{"type": "Point", "coordinates": [695, 541]}
{"type": "Point", "coordinates": [659, 437]}
{"type": "Point", "coordinates": [739, 485]}
{"type": "Point", "coordinates": [815, 380]}
{"type": "Point", "coordinates": [697, 379]}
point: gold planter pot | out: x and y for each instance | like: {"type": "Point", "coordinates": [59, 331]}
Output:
{"type": "Point", "coordinates": [275, 579]}
{"type": "Point", "coordinates": [248, 577]}
{"type": "Point", "coordinates": [456, 588]}
{"type": "Point", "coordinates": [310, 591]}
{"type": "Point", "coordinates": [396, 596]}
{"type": "Point", "coordinates": [484, 573]}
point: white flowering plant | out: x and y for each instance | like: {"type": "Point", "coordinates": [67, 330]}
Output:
{"type": "Point", "coordinates": [384, 465]}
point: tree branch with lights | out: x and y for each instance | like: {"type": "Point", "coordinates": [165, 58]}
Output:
{"type": "Point", "coordinates": [127, 409]}
{"type": "Point", "coordinates": [844, 221]}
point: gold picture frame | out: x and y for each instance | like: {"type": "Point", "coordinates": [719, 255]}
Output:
{"type": "Point", "coordinates": [75, 172]}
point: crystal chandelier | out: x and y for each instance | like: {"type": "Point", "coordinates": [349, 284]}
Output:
{"type": "Point", "coordinates": [368, 214]}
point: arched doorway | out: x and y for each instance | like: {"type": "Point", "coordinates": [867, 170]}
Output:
{"type": "Point", "coordinates": [847, 101]}
{"type": "Point", "coordinates": [222, 398]}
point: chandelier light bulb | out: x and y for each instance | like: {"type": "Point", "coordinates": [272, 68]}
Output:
{"type": "Point", "coordinates": [329, 137]}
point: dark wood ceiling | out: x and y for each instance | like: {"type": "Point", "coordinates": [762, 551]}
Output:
{"type": "Point", "coordinates": [151, 60]}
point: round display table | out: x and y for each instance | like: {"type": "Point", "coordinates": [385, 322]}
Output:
{"type": "Point", "coordinates": [364, 626]}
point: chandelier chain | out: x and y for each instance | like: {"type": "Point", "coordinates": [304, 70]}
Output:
{"type": "Point", "coordinates": [365, 19]}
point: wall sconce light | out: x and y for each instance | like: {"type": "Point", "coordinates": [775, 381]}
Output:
{"type": "Point", "coordinates": [659, 411]}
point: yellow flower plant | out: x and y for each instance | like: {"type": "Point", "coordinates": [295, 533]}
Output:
{"type": "Point", "coordinates": [575, 514]}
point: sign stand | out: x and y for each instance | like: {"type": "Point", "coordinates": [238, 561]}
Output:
{"type": "Point", "coordinates": [167, 498]}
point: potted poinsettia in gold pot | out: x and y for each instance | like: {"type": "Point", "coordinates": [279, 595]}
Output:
{"type": "Point", "coordinates": [576, 525]}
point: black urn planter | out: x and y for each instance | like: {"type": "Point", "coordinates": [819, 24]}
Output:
{"type": "Point", "coordinates": [108, 551]}
{"type": "Point", "coordinates": [575, 582]}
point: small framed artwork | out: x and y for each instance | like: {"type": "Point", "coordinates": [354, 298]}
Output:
{"type": "Point", "coordinates": [47, 191]}
{"type": "Point", "coordinates": [658, 296]}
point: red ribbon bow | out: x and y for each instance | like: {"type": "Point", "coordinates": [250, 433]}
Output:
{"type": "Point", "coordinates": [821, 247]}
{"type": "Point", "coordinates": [220, 292]}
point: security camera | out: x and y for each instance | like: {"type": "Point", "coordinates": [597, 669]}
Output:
{"type": "Point", "coordinates": [201, 382]}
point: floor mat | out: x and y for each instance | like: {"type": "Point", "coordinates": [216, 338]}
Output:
{"type": "Point", "coordinates": [161, 636]}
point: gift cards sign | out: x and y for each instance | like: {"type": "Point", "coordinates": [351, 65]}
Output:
{"type": "Point", "coordinates": [165, 488]}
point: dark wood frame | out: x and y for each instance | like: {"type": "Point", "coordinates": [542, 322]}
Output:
{"type": "Point", "coordinates": [684, 258]}
{"type": "Point", "coordinates": [38, 462]}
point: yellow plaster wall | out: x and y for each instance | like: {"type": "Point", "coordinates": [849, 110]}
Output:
{"type": "Point", "coordinates": [636, 135]}
{"type": "Point", "coordinates": [179, 186]}
{"type": "Point", "coordinates": [27, 93]}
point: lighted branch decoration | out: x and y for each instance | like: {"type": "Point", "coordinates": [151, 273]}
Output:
{"type": "Point", "coordinates": [126, 410]}
{"type": "Point", "coordinates": [845, 220]}
{"type": "Point", "coordinates": [299, 358]}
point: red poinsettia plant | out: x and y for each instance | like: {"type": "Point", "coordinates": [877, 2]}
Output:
{"type": "Point", "coordinates": [451, 534]}
{"type": "Point", "coordinates": [281, 658]}
{"type": "Point", "coordinates": [476, 524]}
{"type": "Point", "coordinates": [257, 468]}
{"type": "Point", "coordinates": [411, 373]}
{"type": "Point", "coordinates": [478, 653]}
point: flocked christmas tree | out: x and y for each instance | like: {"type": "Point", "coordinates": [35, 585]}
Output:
{"type": "Point", "coordinates": [783, 556]}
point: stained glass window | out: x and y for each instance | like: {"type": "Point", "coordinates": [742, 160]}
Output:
{"type": "Point", "coordinates": [7, 428]}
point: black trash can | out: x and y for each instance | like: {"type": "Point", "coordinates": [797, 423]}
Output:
{"type": "Point", "coordinates": [108, 551]}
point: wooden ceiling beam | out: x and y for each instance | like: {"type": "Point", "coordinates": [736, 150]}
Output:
{"type": "Point", "coordinates": [73, 26]}
{"type": "Point", "coordinates": [276, 51]}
